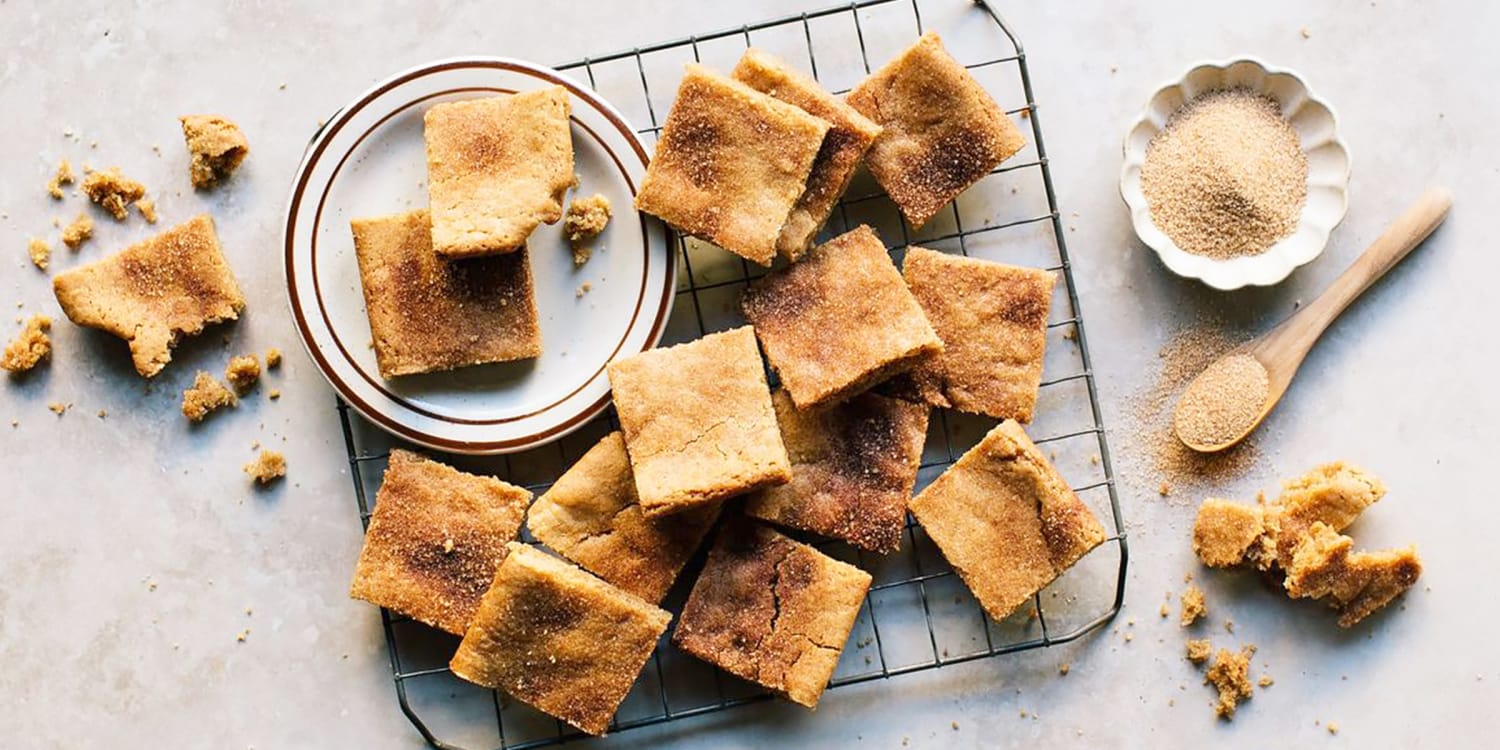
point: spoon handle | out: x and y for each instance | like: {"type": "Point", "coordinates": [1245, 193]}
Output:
{"type": "Point", "coordinates": [1294, 337]}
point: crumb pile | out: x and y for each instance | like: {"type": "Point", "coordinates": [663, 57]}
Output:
{"type": "Point", "coordinates": [1226, 177]}
{"type": "Point", "coordinates": [1222, 403]}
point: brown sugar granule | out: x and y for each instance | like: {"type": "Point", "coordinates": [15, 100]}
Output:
{"type": "Point", "coordinates": [585, 220]}
{"type": "Point", "coordinates": [206, 395]}
{"type": "Point", "coordinates": [1226, 177]}
{"type": "Point", "coordinates": [30, 347]}
{"type": "Point", "coordinates": [78, 232]}
{"type": "Point", "coordinates": [243, 372]}
{"type": "Point", "coordinates": [112, 191]}
{"type": "Point", "coordinates": [1222, 403]}
{"type": "Point", "coordinates": [1193, 606]}
{"type": "Point", "coordinates": [40, 252]}
{"type": "Point", "coordinates": [147, 207]}
{"type": "Point", "coordinates": [216, 145]}
{"type": "Point", "coordinates": [273, 358]}
{"type": "Point", "coordinates": [1199, 649]}
{"type": "Point", "coordinates": [64, 176]}
{"type": "Point", "coordinates": [267, 467]}
{"type": "Point", "coordinates": [1230, 674]}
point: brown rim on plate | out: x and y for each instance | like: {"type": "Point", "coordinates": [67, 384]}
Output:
{"type": "Point", "coordinates": [315, 152]}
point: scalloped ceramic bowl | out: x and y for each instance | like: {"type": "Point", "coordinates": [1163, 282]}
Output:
{"type": "Point", "coordinates": [1327, 173]}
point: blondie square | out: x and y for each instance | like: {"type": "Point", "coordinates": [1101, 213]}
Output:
{"type": "Point", "coordinates": [154, 292]}
{"type": "Point", "coordinates": [435, 539]}
{"type": "Point", "coordinates": [849, 136]}
{"type": "Point", "coordinates": [771, 610]}
{"type": "Point", "coordinates": [1006, 520]}
{"type": "Point", "coordinates": [496, 168]}
{"type": "Point", "coordinates": [698, 422]}
{"type": "Point", "coordinates": [992, 318]}
{"type": "Point", "coordinates": [731, 164]}
{"type": "Point", "coordinates": [592, 516]}
{"type": "Point", "coordinates": [559, 639]}
{"type": "Point", "coordinates": [853, 467]}
{"type": "Point", "coordinates": [429, 314]}
{"type": "Point", "coordinates": [943, 132]}
{"type": "Point", "coordinates": [839, 321]}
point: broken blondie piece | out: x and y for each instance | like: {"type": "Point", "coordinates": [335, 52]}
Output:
{"type": "Point", "coordinates": [559, 639]}
{"type": "Point", "coordinates": [435, 539]}
{"type": "Point", "coordinates": [64, 176]}
{"type": "Point", "coordinates": [731, 164]}
{"type": "Point", "coordinates": [242, 372]}
{"type": "Point", "coordinates": [992, 318]}
{"type": "Point", "coordinates": [853, 467]}
{"type": "Point", "coordinates": [1356, 584]}
{"type": "Point", "coordinates": [112, 191]}
{"type": "Point", "coordinates": [496, 168]}
{"type": "Point", "coordinates": [267, 467]}
{"type": "Point", "coordinates": [217, 147]}
{"type": "Point", "coordinates": [40, 252]}
{"type": "Point", "coordinates": [849, 136]}
{"type": "Point", "coordinates": [154, 292]}
{"type": "Point", "coordinates": [29, 348]}
{"type": "Point", "coordinates": [586, 219]}
{"type": "Point", "coordinates": [78, 231]}
{"type": "Point", "coordinates": [592, 516]}
{"type": "Point", "coordinates": [1006, 520]}
{"type": "Point", "coordinates": [771, 610]}
{"type": "Point", "coordinates": [1333, 494]}
{"type": "Point", "coordinates": [698, 422]}
{"type": "Point", "coordinates": [943, 131]}
{"type": "Point", "coordinates": [839, 321]}
{"type": "Point", "coordinates": [1199, 649]}
{"type": "Point", "coordinates": [1225, 532]}
{"type": "Point", "coordinates": [206, 395]}
{"type": "Point", "coordinates": [428, 314]}
{"type": "Point", "coordinates": [1230, 675]}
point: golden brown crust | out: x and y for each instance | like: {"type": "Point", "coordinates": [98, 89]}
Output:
{"type": "Point", "coordinates": [771, 610]}
{"type": "Point", "coordinates": [698, 422]}
{"type": "Point", "coordinates": [497, 168]}
{"type": "Point", "coordinates": [435, 539]}
{"type": "Point", "coordinates": [217, 147]}
{"type": "Point", "coordinates": [1225, 531]}
{"type": "Point", "coordinates": [428, 314]}
{"type": "Point", "coordinates": [592, 516]}
{"type": "Point", "coordinates": [943, 131]}
{"type": "Point", "coordinates": [853, 468]}
{"type": "Point", "coordinates": [29, 348]}
{"type": "Point", "coordinates": [730, 164]}
{"type": "Point", "coordinates": [849, 136]}
{"type": "Point", "coordinates": [1006, 520]}
{"type": "Point", "coordinates": [559, 639]}
{"type": "Point", "coordinates": [112, 191]}
{"type": "Point", "coordinates": [992, 318]}
{"type": "Point", "coordinates": [155, 291]}
{"type": "Point", "coordinates": [206, 395]}
{"type": "Point", "coordinates": [839, 321]}
{"type": "Point", "coordinates": [1357, 584]}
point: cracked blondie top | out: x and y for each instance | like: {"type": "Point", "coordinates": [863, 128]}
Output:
{"type": "Point", "coordinates": [698, 422]}
{"type": "Point", "coordinates": [943, 131]}
{"type": "Point", "coordinates": [497, 168]}
{"type": "Point", "coordinates": [559, 639]}
{"type": "Point", "coordinates": [992, 318]}
{"type": "Point", "coordinates": [435, 539]}
{"type": "Point", "coordinates": [592, 516]}
{"type": "Point", "coordinates": [731, 164]}
{"type": "Point", "coordinates": [838, 321]}
{"type": "Point", "coordinates": [155, 291]}
{"type": "Point", "coordinates": [1006, 520]}
{"type": "Point", "coordinates": [849, 136]}
{"type": "Point", "coordinates": [428, 314]}
{"type": "Point", "coordinates": [771, 610]}
{"type": "Point", "coordinates": [1356, 584]}
{"type": "Point", "coordinates": [853, 468]}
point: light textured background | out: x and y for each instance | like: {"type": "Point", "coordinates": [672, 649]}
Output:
{"type": "Point", "coordinates": [93, 511]}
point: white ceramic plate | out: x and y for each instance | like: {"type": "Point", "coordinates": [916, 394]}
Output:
{"type": "Point", "coordinates": [1327, 173]}
{"type": "Point", "coordinates": [370, 159]}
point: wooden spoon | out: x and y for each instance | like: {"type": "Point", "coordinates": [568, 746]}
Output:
{"type": "Point", "coordinates": [1281, 350]}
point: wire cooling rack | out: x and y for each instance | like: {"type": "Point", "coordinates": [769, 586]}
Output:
{"type": "Point", "coordinates": [918, 614]}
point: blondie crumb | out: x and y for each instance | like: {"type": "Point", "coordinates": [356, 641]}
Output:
{"type": "Point", "coordinates": [273, 358]}
{"type": "Point", "coordinates": [1199, 649]}
{"type": "Point", "coordinates": [29, 348]}
{"type": "Point", "coordinates": [64, 176]}
{"type": "Point", "coordinates": [147, 207]}
{"type": "Point", "coordinates": [273, 394]}
{"type": "Point", "coordinates": [1230, 674]}
{"type": "Point", "coordinates": [206, 395]}
{"type": "Point", "coordinates": [40, 252]}
{"type": "Point", "coordinates": [243, 372]}
{"type": "Point", "coordinates": [1265, 681]}
{"type": "Point", "coordinates": [112, 191]}
{"type": "Point", "coordinates": [1064, 668]}
{"type": "Point", "coordinates": [586, 219]}
{"type": "Point", "coordinates": [1193, 605]}
{"type": "Point", "coordinates": [78, 232]}
{"type": "Point", "coordinates": [267, 467]}
{"type": "Point", "coordinates": [59, 407]}
{"type": "Point", "coordinates": [216, 145]}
